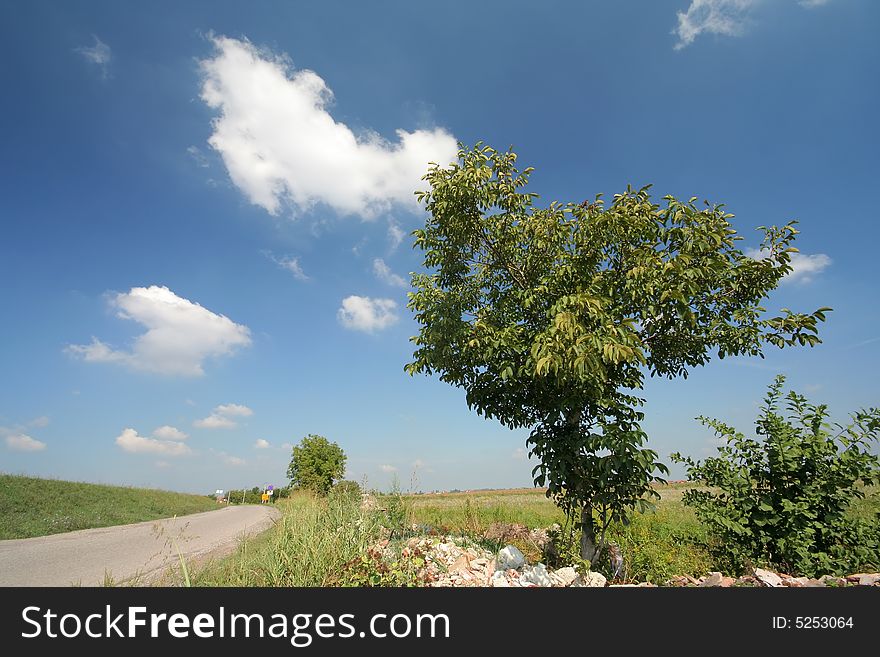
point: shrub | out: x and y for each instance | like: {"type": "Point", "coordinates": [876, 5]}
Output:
{"type": "Point", "coordinates": [783, 501]}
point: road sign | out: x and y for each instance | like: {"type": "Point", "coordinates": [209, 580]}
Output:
{"type": "Point", "coordinates": [270, 491]}
{"type": "Point", "coordinates": [265, 497]}
{"type": "Point", "coordinates": [270, 488]}
{"type": "Point", "coordinates": [219, 491]}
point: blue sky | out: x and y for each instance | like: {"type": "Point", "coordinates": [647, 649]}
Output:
{"type": "Point", "coordinates": [205, 214]}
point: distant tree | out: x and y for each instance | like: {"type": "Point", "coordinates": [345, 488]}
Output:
{"type": "Point", "coordinates": [315, 464]}
{"type": "Point", "coordinates": [550, 318]}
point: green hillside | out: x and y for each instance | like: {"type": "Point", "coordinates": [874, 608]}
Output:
{"type": "Point", "coordinates": [37, 507]}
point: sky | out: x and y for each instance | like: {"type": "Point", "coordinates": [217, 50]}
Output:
{"type": "Point", "coordinates": [206, 208]}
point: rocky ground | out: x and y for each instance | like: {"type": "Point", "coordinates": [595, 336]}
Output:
{"type": "Point", "coordinates": [458, 561]}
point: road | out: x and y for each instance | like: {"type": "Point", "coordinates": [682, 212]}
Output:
{"type": "Point", "coordinates": [127, 553]}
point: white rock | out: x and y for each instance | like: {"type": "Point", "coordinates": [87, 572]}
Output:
{"type": "Point", "coordinates": [499, 579]}
{"type": "Point", "coordinates": [536, 575]}
{"type": "Point", "coordinates": [768, 578]}
{"type": "Point", "coordinates": [510, 557]}
{"type": "Point", "coordinates": [566, 575]}
{"type": "Point", "coordinates": [590, 579]}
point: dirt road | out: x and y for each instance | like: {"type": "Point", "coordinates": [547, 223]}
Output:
{"type": "Point", "coordinates": [137, 552]}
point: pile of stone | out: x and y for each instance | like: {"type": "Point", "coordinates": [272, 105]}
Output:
{"type": "Point", "coordinates": [459, 562]}
{"type": "Point", "coordinates": [767, 578]}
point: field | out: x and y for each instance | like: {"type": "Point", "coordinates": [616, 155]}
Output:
{"type": "Point", "coordinates": [317, 540]}
{"type": "Point", "coordinates": [37, 507]}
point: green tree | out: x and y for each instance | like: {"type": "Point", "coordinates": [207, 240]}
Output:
{"type": "Point", "coordinates": [315, 464]}
{"type": "Point", "coordinates": [550, 318]}
{"type": "Point", "coordinates": [784, 501]}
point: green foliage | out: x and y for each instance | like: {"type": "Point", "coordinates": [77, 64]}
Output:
{"type": "Point", "coordinates": [398, 515]}
{"type": "Point", "coordinates": [785, 501]}
{"type": "Point", "coordinates": [315, 464]}
{"type": "Point", "coordinates": [375, 568]}
{"type": "Point", "coordinates": [349, 488]}
{"type": "Point", "coordinates": [550, 317]}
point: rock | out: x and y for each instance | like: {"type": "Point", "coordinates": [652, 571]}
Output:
{"type": "Point", "coordinates": [713, 579]}
{"type": "Point", "coordinates": [536, 575]}
{"type": "Point", "coordinates": [768, 578]}
{"type": "Point", "coordinates": [566, 575]}
{"type": "Point", "coordinates": [796, 582]}
{"type": "Point", "coordinates": [678, 580]}
{"type": "Point", "coordinates": [865, 579]}
{"type": "Point", "coordinates": [590, 579]}
{"type": "Point", "coordinates": [510, 558]}
{"type": "Point", "coordinates": [727, 582]}
{"type": "Point", "coordinates": [460, 565]}
{"type": "Point", "coordinates": [499, 580]}
{"type": "Point", "coordinates": [831, 580]}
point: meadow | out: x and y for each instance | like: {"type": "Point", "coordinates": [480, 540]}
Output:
{"type": "Point", "coordinates": [37, 507]}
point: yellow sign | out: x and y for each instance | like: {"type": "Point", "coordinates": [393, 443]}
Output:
{"type": "Point", "coordinates": [265, 497]}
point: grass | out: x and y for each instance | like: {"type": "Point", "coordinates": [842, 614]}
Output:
{"type": "Point", "coordinates": [326, 542]}
{"type": "Point", "coordinates": [308, 546]}
{"type": "Point", "coordinates": [38, 507]}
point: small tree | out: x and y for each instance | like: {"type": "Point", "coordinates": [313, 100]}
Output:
{"type": "Point", "coordinates": [315, 464]}
{"type": "Point", "coordinates": [784, 501]}
{"type": "Point", "coordinates": [550, 318]}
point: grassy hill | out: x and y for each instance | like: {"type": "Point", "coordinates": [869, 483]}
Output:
{"type": "Point", "coordinates": [37, 507]}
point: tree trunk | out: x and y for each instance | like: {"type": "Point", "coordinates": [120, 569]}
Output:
{"type": "Point", "coordinates": [588, 535]}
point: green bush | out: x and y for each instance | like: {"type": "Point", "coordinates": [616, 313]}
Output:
{"type": "Point", "coordinates": [784, 501]}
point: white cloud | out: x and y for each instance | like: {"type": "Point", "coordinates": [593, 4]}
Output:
{"type": "Point", "coordinates": [387, 468]}
{"type": "Point", "coordinates": [726, 17]}
{"type": "Point", "coordinates": [281, 146]}
{"type": "Point", "coordinates": [519, 454]}
{"type": "Point", "coordinates": [20, 442]}
{"type": "Point", "coordinates": [180, 335]}
{"type": "Point", "coordinates": [221, 417]}
{"type": "Point", "coordinates": [287, 446]}
{"type": "Point", "coordinates": [418, 463]}
{"type": "Point", "coordinates": [130, 441]}
{"type": "Point", "coordinates": [39, 422]}
{"type": "Point", "coordinates": [804, 267]}
{"type": "Point", "coordinates": [261, 444]}
{"type": "Point", "coordinates": [235, 410]}
{"type": "Point", "coordinates": [383, 273]}
{"type": "Point", "coordinates": [366, 314]}
{"type": "Point", "coordinates": [395, 234]}
{"type": "Point", "coordinates": [167, 432]}
{"type": "Point", "coordinates": [215, 422]}
{"type": "Point", "coordinates": [198, 157]}
{"type": "Point", "coordinates": [99, 54]}
{"type": "Point", "coordinates": [231, 460]}
{"type": "Point", "coordinates": [162, 464]}
{"type": "Point", "coordinates": [289, 263]}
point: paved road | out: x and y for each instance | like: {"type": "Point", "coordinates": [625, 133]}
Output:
{"type": "Point", "coordinates": [141, 551]}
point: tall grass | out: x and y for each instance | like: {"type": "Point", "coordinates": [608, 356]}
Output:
{"type": "Point", "coordinates": [309, 545]}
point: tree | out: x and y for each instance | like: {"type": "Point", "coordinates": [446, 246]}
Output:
{"type": "Point", "coordinates": [315, 464]}
{"type": "Point", "coordinates": [550, 318]}
{"type": "Point", "coordinates": [784, 501]}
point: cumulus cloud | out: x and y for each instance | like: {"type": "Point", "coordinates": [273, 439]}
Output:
{"type": "Point", "coordinates": [20, 442]}
{"type": "Point", "coordinates": [180, 335]}
{"type": "Point", "coordinates": [366, 314]}
{"type": "Point", "coordinates": [804, 267]}
{"type": "Point", "coordinates": [289, 263]}
{"type": "Point", "coordinates": [383, 273]}
{"type": "Point", "coordinates": [282, 147]}
{"type": "Point", "coordinates": [167, 432]}
{"type": "Point", "coordinates": [387, 468]}
{"type": "Point", "coordinates": [221, 417]}
{"type": "Point", "coordinates": [98, 54]}
{"type": "Point", "coordinates": [261, 444]}
{"type": "Point", "coordinates": [130, 441]}
{"type": "Point", "coordinates": [519, 454]}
